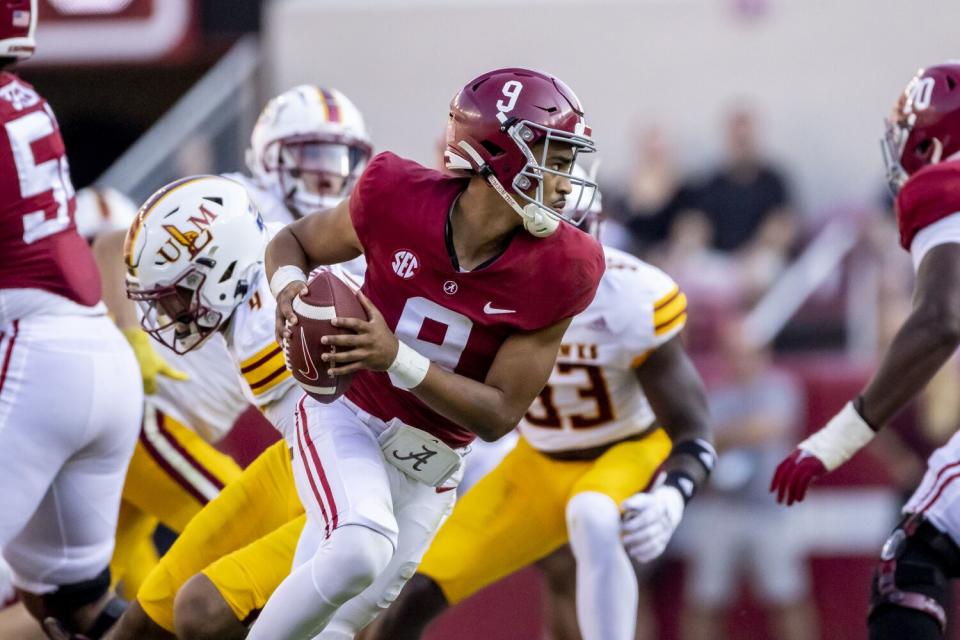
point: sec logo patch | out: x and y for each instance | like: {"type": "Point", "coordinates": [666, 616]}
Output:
{"type": "Point", "coordinates": [405, 264]}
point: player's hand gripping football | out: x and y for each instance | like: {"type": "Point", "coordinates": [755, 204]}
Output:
{"type": "Point", "coordinates": [372, 345]}
{"type": "Point", "coordinates": [286, 317]}
{"type": "Point", "coordinates": [649, 520]}
{"type": "Point", "coordinates": [152, 365]}
{"type": "Point", "coordinates": [845, 434]}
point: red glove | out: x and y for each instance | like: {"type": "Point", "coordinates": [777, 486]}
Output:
{"type": "Point", "coordinates": [838, 441]}
{"type": "Point", "coordinates": [794, 475]}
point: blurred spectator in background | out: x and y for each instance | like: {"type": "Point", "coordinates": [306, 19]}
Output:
{"type": "Point", "coordinates": [687, 255]}
{"type": "Point", "coordinates": [746, 198]}
{"type": "Point", "coordinates": [736, 528]}
{"type": "Point", "coordinates": [654, 194]}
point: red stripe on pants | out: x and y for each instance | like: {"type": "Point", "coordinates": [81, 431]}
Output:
{"type": "Point", "coordinates": [6, 358]}
{"type": "Point", "coordinates": [303, 434]}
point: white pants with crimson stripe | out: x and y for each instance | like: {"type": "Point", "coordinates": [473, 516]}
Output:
{"type": "Point", "coordinates": [70, 406]}
{"type": "Point", "coordinates": [351, 494]}
{"type": "Point", "coordinates": [938, 496]}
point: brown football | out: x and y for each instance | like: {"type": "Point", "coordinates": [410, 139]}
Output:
{"type": "Point", "coordinates": [327, 297]}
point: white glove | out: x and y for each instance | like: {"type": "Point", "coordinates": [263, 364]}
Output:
{"type": "Point", "coordinates": [649, 520]}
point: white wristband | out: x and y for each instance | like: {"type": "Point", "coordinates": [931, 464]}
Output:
{"type": "Point", "coordinates": [409, 368]}
{"type": "Point", "coordinates": [285, 275]}
{"type": "Point", "coordinates": [840, 439]}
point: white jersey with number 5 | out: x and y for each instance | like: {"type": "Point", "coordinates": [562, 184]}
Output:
{"type": "Point", "coordinates": [593, 396]}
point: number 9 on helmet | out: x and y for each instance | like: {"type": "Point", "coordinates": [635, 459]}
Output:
{"type": "Point", "coordinates": [497, 123]}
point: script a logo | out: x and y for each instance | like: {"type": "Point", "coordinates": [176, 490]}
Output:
{"type": "Point", "coordinates": [421, 457]}
{"type": "Point", "coordinates": [193, 240]}
{"type": "Point", "coordinates": [405, 264]}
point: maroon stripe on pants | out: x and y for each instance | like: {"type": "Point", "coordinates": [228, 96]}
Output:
{"type": "Point", "coordinates": [6, 358]}
{"type": "Point", "coordinates": [301, 415]}
{"type": "Point", "coordinates": [939, 493]}
{"type": "Point", "coordinates": [936, 481]}
{"type": "Point", "coordinates": [319, 465]}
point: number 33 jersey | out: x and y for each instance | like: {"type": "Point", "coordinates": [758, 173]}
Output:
{"type": "Point", "coordinates": [458, 319]}
{"type": "Point", "coordinates": [593, 396]}
{"type": "Point", "coordinates": [41, 248]}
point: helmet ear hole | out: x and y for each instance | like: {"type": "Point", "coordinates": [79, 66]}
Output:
{"type": "Point", "coordinates": [923, 148]}
{"type": "Point", "coordinates": [951, 83]}
{"type": "Point", "coordinates": [491, 148]}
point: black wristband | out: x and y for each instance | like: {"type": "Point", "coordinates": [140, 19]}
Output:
{"type": "Point", "coordinates": [858, 407]}
{"type": "Point", "coordinates": [682, 482]}
{"type": "Point", "coordinates": [700, 450]}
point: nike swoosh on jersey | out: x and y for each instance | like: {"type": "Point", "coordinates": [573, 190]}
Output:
{"type": "Point", "coordinates": [490, 310]}
{"type": "Point", "coordinates": [311, 372]}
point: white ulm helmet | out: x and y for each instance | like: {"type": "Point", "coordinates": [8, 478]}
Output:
{"type": "Point", "coordinates": [193, 254]}
{"type": "Point", "coordinates": [309, 146]}
{"type": "Point", "coordinates": [585, 202]}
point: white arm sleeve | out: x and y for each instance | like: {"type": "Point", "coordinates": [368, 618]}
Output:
{"type": "Point", "coordinates": [940, 232]}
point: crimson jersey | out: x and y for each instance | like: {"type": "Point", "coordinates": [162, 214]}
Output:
{"type": "Point", "coordinates": [458, 319]}
{"type": "Point", "coordinates": [932, 193]}
{"type": "Point", "coordinates": [38, 240]}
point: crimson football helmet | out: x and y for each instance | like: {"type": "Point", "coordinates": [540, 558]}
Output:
{"type": "Point", "coordinates": [497, 119]}
{"type": "Point", "coordinates": [924, 127]}
{"type": "Point", "coordinates": [18, 22]}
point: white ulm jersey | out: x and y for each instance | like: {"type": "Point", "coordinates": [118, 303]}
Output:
{"type": "Point", "coordinates": [227, 372]}
{"type": "Point", "coordinates": [211, 399]}
{"type": "Point", "coordinates": [216, 393]}
{"type": "Point", "coordinates": [593, 397]}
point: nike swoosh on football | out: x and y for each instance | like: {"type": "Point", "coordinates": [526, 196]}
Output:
{"type": "Point", "coordinates": [492, 311]}
{"type": "Point", "coordinates": [311, 372]}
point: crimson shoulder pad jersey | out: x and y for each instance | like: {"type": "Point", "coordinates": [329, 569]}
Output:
{"type": "Point", "coordinates": [931, 194]}
{"type": "Point", "coordinates": [39, 242]}
{"type": "Point", "coordinates": [458, 319]}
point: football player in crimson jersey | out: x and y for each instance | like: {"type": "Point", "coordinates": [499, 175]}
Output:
{"type": "Point", "coordinates": [921, 148]}
{"type": "Point", "coordinates": [471, 283]}
{"type": "Point", "coordinates": [589, 447]}
{"type": "Point", "coordinates": [61, 462]}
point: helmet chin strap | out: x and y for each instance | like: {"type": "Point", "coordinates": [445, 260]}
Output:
{"type": "Point", "coordinates": [535, 220]}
